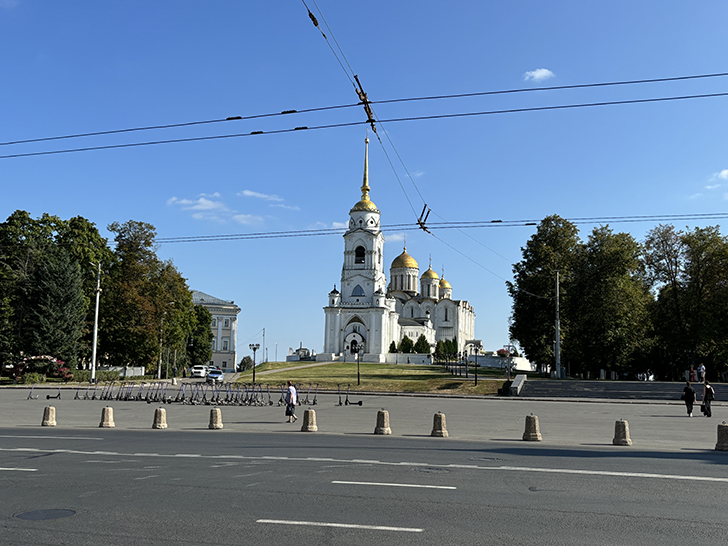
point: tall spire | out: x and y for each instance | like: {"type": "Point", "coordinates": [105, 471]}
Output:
{"type": "Point", "coordinates": [365, 204]}
{"type": "Point", "coordinates": [365, 185]}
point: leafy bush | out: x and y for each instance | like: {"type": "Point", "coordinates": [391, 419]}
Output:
{"type": "Point", "coordinates": [32, 378]}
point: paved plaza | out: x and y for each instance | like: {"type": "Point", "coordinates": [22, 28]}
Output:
{"type": "Point", "coordinates": [654, 425]}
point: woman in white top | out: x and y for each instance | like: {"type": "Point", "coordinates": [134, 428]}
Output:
{"type": "Point", "coordinates": [291, 401]}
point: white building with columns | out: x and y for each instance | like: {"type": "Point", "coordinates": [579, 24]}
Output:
{"type": "Point", "coordinates": [224, 329]}
{"type": "Point", "coordinates": [367, 315]}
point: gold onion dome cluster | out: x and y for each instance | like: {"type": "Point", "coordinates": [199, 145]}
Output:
{"type": "Point", "coordinates": [444, 283]}
{"type": "Point", "coordinates": [405, 261]}
{"type": "Point", "coordinates": [430, 274]}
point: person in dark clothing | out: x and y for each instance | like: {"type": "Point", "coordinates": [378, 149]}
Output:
{"type": "Point", "coordinates": [689, 398]}
{"type": "Point", "coordinates": [708, 397]}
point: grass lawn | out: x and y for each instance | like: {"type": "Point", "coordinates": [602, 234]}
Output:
{"type": "Point", "coordinates": [376, 377]}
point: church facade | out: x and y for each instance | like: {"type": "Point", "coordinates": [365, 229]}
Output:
{"type": "Point", "coordinates": [368, 314]}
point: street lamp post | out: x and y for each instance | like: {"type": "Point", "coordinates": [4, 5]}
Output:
{"type": "Point", "coordinates": [254, 347]}
{"type": "Point", "coordinates": [96, 323]}
{"type": "Point", "coordinates": [358, 377]}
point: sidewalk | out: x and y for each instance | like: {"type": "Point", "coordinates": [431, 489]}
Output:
{"type": "Point", "coordinates": [653, 425]}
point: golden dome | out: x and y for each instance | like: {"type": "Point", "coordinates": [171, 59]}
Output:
{"type": "Point", "coordinates": [365, 205]}
{"type": "Point", "coordinates": [430, 274]}
{"type": "Point", "coordinates": [445, 284]}
{"type": "Point", "coordinates": [405, 261]}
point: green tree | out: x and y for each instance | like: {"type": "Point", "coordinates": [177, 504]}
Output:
{"type": "Point", "coordinates": [690, 275]}
{"type": "Point", "coordinates": [199, 348]}
{"type": "Point", "coordinates": [147, 306]}
{"type": "Point", "coordinates": [393, 347]}
{"type": "Point", "coordinates": [56, 308]}
{"type": "Point", "coordinates": [554, 247]}
{"type": "Point", "coordinates": [406, 345]}
{"type": "Point", "coordinates": [422, 346]}
{"type": "Point", "coordinates": [608, 304]}
{"type": "Point", "coordinates": [246, 363]}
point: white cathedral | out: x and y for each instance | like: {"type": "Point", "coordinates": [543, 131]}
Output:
{"type": "Point", "coordinates": [367, 315]}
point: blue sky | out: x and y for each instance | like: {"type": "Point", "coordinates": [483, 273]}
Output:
{"type": "Point", "coordinates": [82, 66]}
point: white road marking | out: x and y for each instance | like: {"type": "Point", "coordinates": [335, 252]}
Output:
{"type": "Point", "coordinates": [20, 469]}
{"type": "Point", "coordinates": [146, 477]}
{"type": "Point", "coordinates": [397, 485]}
{"type": "Point", "coordinates": [341, 525]}
{"type": "Point", "coordinates": [264, 458]}
{"type": "Point", "coordinates": [49, 437]}
{"type": "Point", "coordinates": [609, 473]}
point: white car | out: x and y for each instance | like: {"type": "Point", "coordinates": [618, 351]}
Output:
{"type": "Point", "coordinates": [198, 371]}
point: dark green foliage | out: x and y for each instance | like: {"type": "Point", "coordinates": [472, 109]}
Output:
{"type": "Point", "coordinates": [199, 347]}
{"type": "Point", "coordinates": [55, 308]}
{"type": "Point", "coordinates": [406, 345]}
{"type": "Point", "coordinates": [246, 363]}
{"type": "Point", "coordinates": [422, 346]}
{"type": "Point", "coordinates": [48, 270]}
{"type": "Point", "coordinates": [393, 347]}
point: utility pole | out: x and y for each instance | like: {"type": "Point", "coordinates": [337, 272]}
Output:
{"type": "Point", "coordinates": [96, 323]}
{"type": "Point", "coordinates": [557, 346]}
{"type": "Point", "coordinates": [265, 356]}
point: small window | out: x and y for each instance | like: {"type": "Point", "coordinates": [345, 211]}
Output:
{"type": "Point", "coordinates": [212, 344]}
{"type": "Point", "coordinates": [227, 323]}
{"type": "Point", "coordinates": [358, 291]}
{"type": "Point", "coordinates": [359, 254]}
{"type": "Point", "coordinates": [224, 344]}
{"type": "Point", "coordinates": [214, 323]}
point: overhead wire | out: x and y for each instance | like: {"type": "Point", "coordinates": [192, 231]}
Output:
{"type": "Point", "coordinates": [353, 105]}
{"type": "Point", "coordinates": [355, 123]}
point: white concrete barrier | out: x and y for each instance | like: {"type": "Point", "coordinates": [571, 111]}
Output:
{"type": "Point", "coordinates": [517, 384]}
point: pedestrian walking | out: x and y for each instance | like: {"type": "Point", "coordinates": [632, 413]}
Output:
{"type": "Point", "coordinates": [692, 374]}
{"type": "Point", "coordinates": [291, 400]}
{"type": "Point", "coordinates": [701, 373]}
{"type": "Point", "coordinates": [689, 398]}
{"type": "Point", "coordinates": [708, 397]}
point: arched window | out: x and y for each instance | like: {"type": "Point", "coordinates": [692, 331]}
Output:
{"type": "Point", "coordinates": [358, 291]}
{"type": "Point", "coordinates": [359, 255]}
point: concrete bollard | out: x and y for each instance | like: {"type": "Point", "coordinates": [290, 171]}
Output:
{"type": "Point", "coordinates": [49, 417]}
{"type": "Point", "coordinates": [382, 423]}
{"type": "Point", "coordinates": [722, 444]}
{"type": "Point", "coordinates": [215, 419]}
{"type": "Point", "coordinates": [533, 431]}
{"type": "Point", "coordinates": [439, 428]}
{"type": "Point", "coordinates": [107, 418]}
{"type": "Point", "coordinates": [160, 418]}
{"type": "Point", "coordinates": [621, 433]}
{"type": "Point", "coordinates": [309, 421]}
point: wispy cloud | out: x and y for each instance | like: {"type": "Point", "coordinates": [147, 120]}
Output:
{"type": "Point", "coordinates": [201, 203]}
{"type": "Point", "coordinates": [713, 186]}
{"type": "Point", "coordinates": [695, 195]}
{"type": "Point", "coordinates": [723, 174]}
{"type": "Point", "coordinates": [257, 195]}
{"type": "Point", "coordinates": [7, 4]}
{"type": "Point", "coordinates": [538, 75]}
{"type": "Point", "coordinates": [395, 237]}
{"type": "Point", "coordinates": [287, 207]}
{"type": "Point", "coordinates": [339, 225]}
{"type": "Point", "coordinates": [247, 219]}
{"type": "Point", "coordinates": [211, 207]}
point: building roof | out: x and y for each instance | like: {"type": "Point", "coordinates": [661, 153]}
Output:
{"type": "Point", "coordinates": [202, 298]}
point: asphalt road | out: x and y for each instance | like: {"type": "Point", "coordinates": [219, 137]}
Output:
{"type": "Point", "coordinates": [146, 487]}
